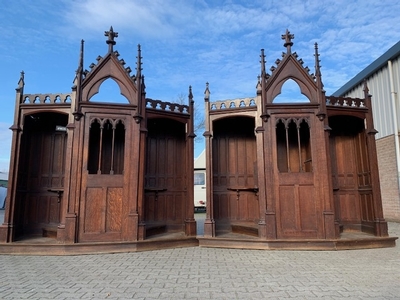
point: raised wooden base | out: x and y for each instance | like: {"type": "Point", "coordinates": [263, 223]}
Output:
{"type": "Point", "coordinates": [294, 244]}
{"type": "Point", "coordinates": [49, 246]}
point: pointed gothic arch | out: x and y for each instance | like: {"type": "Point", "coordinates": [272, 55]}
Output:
{"type": "Point", "coordinates": [290, 93]}
{"type": "Point", "coordinates": [109, 92]}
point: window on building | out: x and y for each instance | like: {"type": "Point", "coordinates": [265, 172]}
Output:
{"type": "Point", "coordinates": [199, 179]}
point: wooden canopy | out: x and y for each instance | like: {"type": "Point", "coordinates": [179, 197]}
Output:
{"type": "Point", "coordinates": [89, 176]}
{"type": "Point", "coordinates": [291, 174]}
{"type": "Point", "coordinates": [84, 171]}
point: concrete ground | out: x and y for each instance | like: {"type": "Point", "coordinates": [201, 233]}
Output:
{"type": "Point", "coordinates": [206, 273]}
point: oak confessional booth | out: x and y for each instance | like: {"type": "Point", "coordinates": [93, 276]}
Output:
{"type": "Point", "coordinates": [114, 176]}
{"type": "Point", "coordinates": [295, 173]}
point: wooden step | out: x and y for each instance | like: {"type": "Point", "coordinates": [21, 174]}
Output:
{"type": "Point", "coordinates": [248, 229]}
{"type": "Point", "coordinates": [49, 231]}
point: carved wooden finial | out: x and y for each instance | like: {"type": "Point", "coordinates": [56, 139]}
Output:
{"type": "Point", "coordinates": [111, 34]}
{"type": "Point", "coordinates": [288, 40]}
{"type": "Point", "coordinates": [21, 78]}
{"type": "Point", "coordinates": [262, 61]}
{"type": "Point", "coordinates": [366, 89]}
{"type": "Point", "coordinates": [21, 81]}
{"type": "Point", "coordinates": [139, 62]}
{"type": "Point", "coordinates": [190, 94]}
{"type": "Point", "coordinates": [207, 92]}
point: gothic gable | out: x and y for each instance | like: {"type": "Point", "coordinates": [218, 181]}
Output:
{"type": "Point", "coordinates": [290, 67]}
{"type": "Point", "coordinates": [110, 66]}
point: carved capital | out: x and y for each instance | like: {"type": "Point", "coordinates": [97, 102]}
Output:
{"type": "Point", "coordinates": [78, 115]}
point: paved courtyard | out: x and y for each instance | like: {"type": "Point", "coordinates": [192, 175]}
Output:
{"type": "Point", "coordinates": [206, 273]}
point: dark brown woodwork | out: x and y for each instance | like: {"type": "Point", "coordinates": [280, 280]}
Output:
{"type": "Point", "coordinates": [41, 169]}
{"type": "Point", "coordinates": [299, 171]}
{"type": "Point", "coordinates": [235, 187]}
{"type": "Point", "coordinates": [89, 176]}
{"type": "Point", "coordinates": [87, 171]}
{"type": "Point", "coordinates": [165, 178]}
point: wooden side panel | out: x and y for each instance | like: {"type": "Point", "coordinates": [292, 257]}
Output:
{"type": "Point", "coordinates": [298, 211]}
{"type": "Point", "coordinates": [345, 181]}
{"type": "Point", "coordinates": [367, 209]}
{"type": "Point", "coordinates": [165, 180]}
{"type": "Point", "coordinates": [114, 210]}
{"type": "Point", "coordinates": [364, 179]}
{"type": "Point", "coordinates": [93, 210]}
{"type": "Point", "coordinates": [234, 171]}
{"type": "Point", "coordinates": [351, 172]}
{"type": "Point", "coordinates": [288, 210]}
{"type": "Point", "coordinates": [102, 213]}
{"type": "Point", "coordinates": [42, 166]}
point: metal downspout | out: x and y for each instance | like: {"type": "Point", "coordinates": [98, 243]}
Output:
{"type": "Point", "coordinates": [395, 124]}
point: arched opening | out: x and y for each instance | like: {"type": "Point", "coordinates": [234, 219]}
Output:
{"type": "Point", "coordinates": [41, 174]}
{"type": "Point", "coordinates": [351, 174]}
{"type": "Point", "coordinates": [109, 92]}
{"type": "Point", "coordinates": [165, 177]}
{"type": "Point", "coordinates": [234, 173]}
{"type": "Point", "coordinates": [290, 93]}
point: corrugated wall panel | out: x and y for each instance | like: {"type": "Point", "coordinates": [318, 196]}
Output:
{"type": "Point", "coordinates": [396, 79]}
{"type": "Point", "coordinates": [379, 88]}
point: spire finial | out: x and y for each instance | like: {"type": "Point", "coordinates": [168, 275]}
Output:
{"type": "Point", "coordinates": [190, 94]}
{"type": "Point", "coordinates": [21, 81]}
{"type": "Point", "coordinates": [111, 34]}
{"type": "Point", "coordinates": [288, 40]}
{"type": "Point", "coordinates": [318, 68]}
{"type": "Point", "coordinates": [139, 62]}
{"type": "Point", "coordinates": [80, 67]}
{"type": "Point", "coordinates": [21, 78]}
{"type": "Point", "coordinates": [207, 92]}
{"type": "Point", "coordinates": [262, 61]}
{"type": "Point", "coordinates": [366, 89]}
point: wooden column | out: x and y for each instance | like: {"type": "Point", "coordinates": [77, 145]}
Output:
{"type": "Point", "coordinates": [209, 223]}
{"type": "Point", "coordinates": [7, 229]}
{"type": "Point", "coordinates": [190, 222]}
{"type": "Point", "coordinates": [262, 193]}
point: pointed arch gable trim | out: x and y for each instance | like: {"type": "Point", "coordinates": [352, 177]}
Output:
{"type": "Point", "coordinates": [109, 67]}
{"type": "Point", "coordinates": [290, 68]}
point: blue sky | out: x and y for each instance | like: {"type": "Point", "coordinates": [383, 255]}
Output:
{"type": "Point", "coordinates": [186, 43]}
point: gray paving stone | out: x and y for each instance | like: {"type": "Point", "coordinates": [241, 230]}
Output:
{"type": "Point", "coordinates": [206, 273]}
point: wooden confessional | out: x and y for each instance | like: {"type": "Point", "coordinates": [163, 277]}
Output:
{"type": "Point", "coordinates": [88, 171]}
{"type": "Point", "coordinates": [293, 170]}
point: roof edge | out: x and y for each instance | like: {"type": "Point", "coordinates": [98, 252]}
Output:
{"type": "Point", "coordinates": [394, 51]}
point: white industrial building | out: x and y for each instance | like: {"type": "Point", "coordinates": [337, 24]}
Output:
{"type": "Point", "coordinates": [383, 81]}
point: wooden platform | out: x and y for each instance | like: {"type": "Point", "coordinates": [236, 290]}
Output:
{"type": "Point", "coordinates": [48, 246]}
{"type": "Point", "coordinates": [347, 241]}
